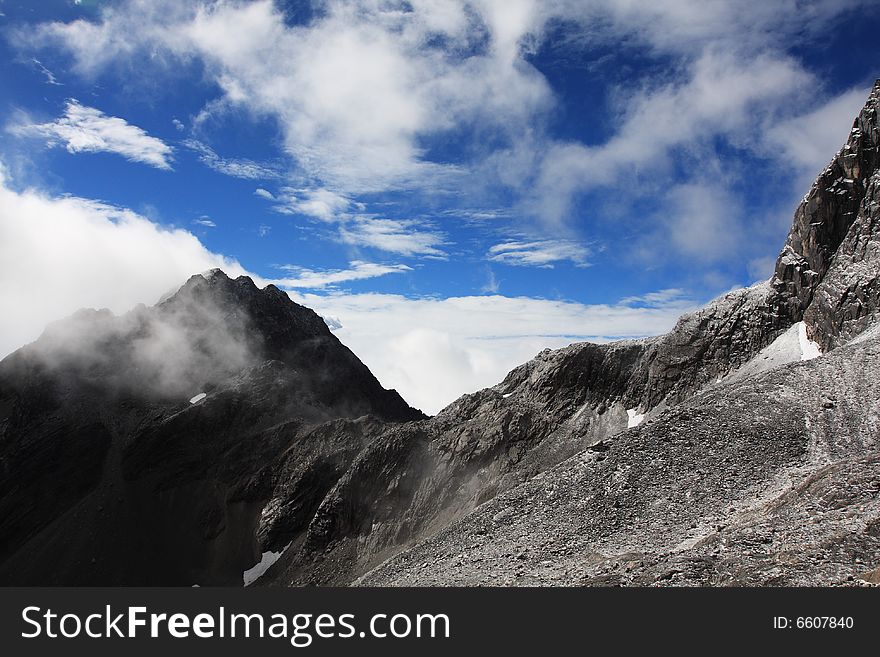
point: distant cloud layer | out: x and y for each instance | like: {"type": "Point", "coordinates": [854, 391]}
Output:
{"type": "Point", "coordinates": [542, 253]}
{"type": "Point", "coordinates": [433, 350]}
{"type": "Point", "coordinates": [85, 129]}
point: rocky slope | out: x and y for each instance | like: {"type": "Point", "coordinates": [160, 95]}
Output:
{"type": "Point", "coordinates": [714, 454]}
{"type": "Point", "coordinates": [771, 480]}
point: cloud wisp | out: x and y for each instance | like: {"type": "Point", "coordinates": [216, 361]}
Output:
{"type": "Point", "coordinates": [357, 271]}
{"type": "Point", "coordinates": [235, 167]}
{"type": "Point", "coordinates": [83, 129]}
{"type": "Point", "coordinates": [539, 253]}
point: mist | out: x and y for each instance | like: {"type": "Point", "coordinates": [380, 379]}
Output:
{"type": "Point", "coordinates": [176, 349]}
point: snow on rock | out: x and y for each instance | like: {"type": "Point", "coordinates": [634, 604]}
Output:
{"type": "Point", "coordinates": [809, 349]}
{"type": "Point", "coordinates": [251, 575]}
{"type": "Point", "coordinates": [634, 418]}
{"type": "Point", "coordinates": [199, 397]}
{"type": "Point", "coordinates": [790, 347]}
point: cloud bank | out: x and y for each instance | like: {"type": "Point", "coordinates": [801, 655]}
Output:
{"type": "Point", "coordinates": [60, 254]}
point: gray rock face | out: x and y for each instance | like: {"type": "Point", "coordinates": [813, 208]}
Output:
{"type": "Point", "coordinates": [847, 299]}
{"type": "Point", "coordinates": [824, 218]}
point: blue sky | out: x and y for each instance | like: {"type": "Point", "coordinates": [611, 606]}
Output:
{"type": "Point", "coordinates": [456, 183]}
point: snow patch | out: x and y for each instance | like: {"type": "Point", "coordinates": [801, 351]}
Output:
{"type": "Point", "coordinates": [199, 397]}
{"type": "Point", "coordinates": [507, 394]}
{"type": "Point", "coordinates": [251, 575]}
{"type": "Point", "coordinates": [634, 418]}
{"type": "Point", "coordinates": [809, 349]}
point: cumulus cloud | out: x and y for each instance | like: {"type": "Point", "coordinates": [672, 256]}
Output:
{"type": "Point", "coordinates": [354, 91]}
{"type": "Point", "coordinates": [434, 350]}
{"type": "Point", "coordinates": [61, 254]}
{"type": "Point", "coordinates": [359, 270]}
{"type": "Point", "coordinates": [723, 96]}
{"type": "Point", "coordinates": [86, 129]}
{"type": "Point", "coordinates": [700, 221]}
{"type": "Point", "coordinates": [539, 253]}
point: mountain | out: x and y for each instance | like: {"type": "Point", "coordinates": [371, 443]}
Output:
{"type": "Point", "coordinates": [140, 449]}
{"type": "Point", "coordinates": [740, 448]}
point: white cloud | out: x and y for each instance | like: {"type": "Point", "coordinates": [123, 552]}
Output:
{"type": "Point", "coordinates": [433, 350]}
{"type": "Point", "coordinates": [539, 253]}
{"type": "Point", "coordinates": [319, 203]}
{"type": "Point", "coordinates": [237, 168]}
{"type": "Point", "coordinates": [658, 298]}
{"type": "Point", "coordinates": [355, 91]}
{"type": "Point", "coordinates": [404, 237]}
{"type": "Point", "coordinates": [359, 270]}
{"type": "Point", "coordinates": [205, 221]}
{"type": "Point", "coordinates": [688, 26]}
{"type": "Point", "coordinates": [264, 193]}
{"type": "Point", "coordinates": [61, 254]}
{"type": "Point", "coordinates": [700, 221]}
{"type": "Point", "coordinates": [492, 284]}
{"type": "Point", "coordinates": [86, 129]}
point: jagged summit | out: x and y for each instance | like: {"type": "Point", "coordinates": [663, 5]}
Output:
{"type": "Point", "coordinates": [827, 213]}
